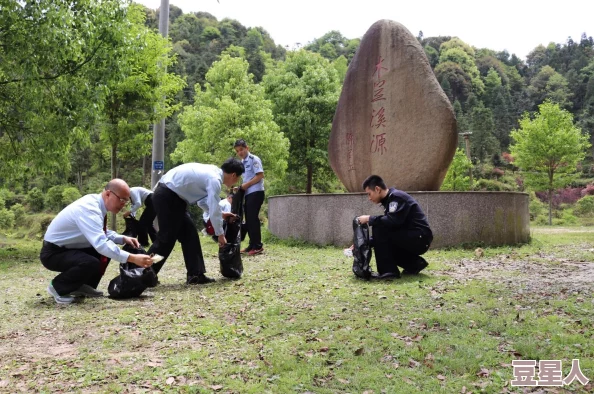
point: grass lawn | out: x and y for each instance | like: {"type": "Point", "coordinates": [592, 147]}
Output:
{"type": "Point", "coordinates": [299, 321]}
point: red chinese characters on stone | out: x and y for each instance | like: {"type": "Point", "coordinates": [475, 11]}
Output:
{"type": "Point", "coordinates": [378, 117]}
{"type": "Point", "coordinates": [378, 144]}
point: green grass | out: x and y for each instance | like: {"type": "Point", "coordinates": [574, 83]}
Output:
{"type": "Point", "coordinates": [299, 321]}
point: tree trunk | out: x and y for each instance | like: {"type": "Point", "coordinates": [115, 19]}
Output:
{"type": "Point", "coordinates": [143, 170]}
{"type": "Point", "coordinates": [309, 178]}
{"type": "Point", "coordinates": [550, 207]}
{"type": "Point", "coordinates": [114, 175]}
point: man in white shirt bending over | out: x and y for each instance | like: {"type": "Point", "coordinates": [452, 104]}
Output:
{"type": "Point", "coordinates": [181, 186]}
{"type": "Point", "coordinates": [78, 245]}
{"type": "Point", "coordinates": [140, 196]}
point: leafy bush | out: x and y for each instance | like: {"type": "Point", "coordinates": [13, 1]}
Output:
{"type": "Point", "coordinates": [492, 186]}
{"type": "Point", "coordinates": [569, 196]}
{"type": "Point", "coordinates": [6, 218]}
{"type": "Point", "coordinates": [567, 218]}
{"type": "Point", "coordinates": [588, 191]}
{"type": "Point", "coordinates": [35, 200]}
{"type": "Point", "coordinates": [457, 177]}
{"type": "Point", "coordinates": [53, 198]}
{"type": "Point", "coordinates": [2, 202]}
{"type": "Point", "coordinates": [19, 212]}
{"type": "Point", "coordinates": [536, 207]}
{"type": "Point", "coordinates": [585, 207]}
{"type": "Point", "coordinates": [69, 195]}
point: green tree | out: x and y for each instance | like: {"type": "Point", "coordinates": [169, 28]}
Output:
{"type": "Point", "coordinates": [548, 149]}
{"type": "Point", "coordinates": [304, 90]}
{"type": "Point", "coordinates": [231, 106]}
{"type": "Point", "coordinates": [141, 93]}
{"type": "Point", "coordinates": [458, 175]}
{"type": "Point", "coordinates": [56, 56]}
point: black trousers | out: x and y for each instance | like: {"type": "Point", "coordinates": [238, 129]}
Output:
{"type": "Point", "coordinates": [253, 203]}
{"type": "Point", "coordinates": [146, 228]}
{"type": "Point", "coordinates": [176, 225]}
{"type": "Point", "coordinates": [77, 267]}
{"type": "Point", "coordinates": [399, 248]}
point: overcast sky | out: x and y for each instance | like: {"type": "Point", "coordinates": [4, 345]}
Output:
{"type": "Point", "coordinates": [515, 25]}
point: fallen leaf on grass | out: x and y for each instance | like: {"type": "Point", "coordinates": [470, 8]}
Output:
{"type": "Point", "coordinates": [441, 377]}
{"type": "Point", "coordinates": [324, 349]}
{"type": "Point", "coordinates": [343, 381]}
{"type": "Point", "coordinates": [484, 372]}
{"type": "Point", "coordinates": [170, 380]}
{"type": "Point", "coordinates": [217, 387]}
{"type": "Point", "coordinates": [359, 351]}
{"type": "Point", "coordinates": [412, 363]}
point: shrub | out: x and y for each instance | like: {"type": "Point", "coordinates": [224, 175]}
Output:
{"type": "Point", "coordinates": [6, 219]}
{"type": "Point", "coordinates": [568, 195]}
{"type": "Point", "coordinates": [536, 207]}
{"type": "Point", "coordinates": [35, 200]}
{"type": "Point", "coordinates": [19, 212]}
{"type": "Point", "coordinates": [492, 186]}
{"type": "Point", "coordinates": [69, 195]}
{"type": "Point", "coordinates": [585, 207]}
{"type": "Point", "coordinates": [53, 198]}
{"type": "Point", "coordinates": [2, 202]}
{"type": "Point", "coordinates": [588, 191]}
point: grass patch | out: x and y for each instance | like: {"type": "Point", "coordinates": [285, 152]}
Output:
{"type": "Point", "coordinates": [298, 321]}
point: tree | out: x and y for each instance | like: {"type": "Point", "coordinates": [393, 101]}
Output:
{"type": "Point", "coordinates": [304, 90]}
{"type": "Point", "coordinates": [230, 107]}
{"type": "Point", "coordinates": [457, 177]}
{"type": "Point", "coordinates": [56, 56]}
{"type": "Point", "coordinates": [140, 93]}
{"type": "Point", "coordinates": [548, 148]}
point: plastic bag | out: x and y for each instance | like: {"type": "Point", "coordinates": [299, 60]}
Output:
{"type": "Point", "coordinates": [361, 251]}
{"type": "Point", "coordinates": [230, 255]}
{"type": "Point", "coordinates": [133, 280]}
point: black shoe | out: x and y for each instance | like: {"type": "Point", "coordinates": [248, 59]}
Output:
{"type": "Point", "coordinates": [199, 279]}
{"type": "Point", "coordinates": [421, 264]}
{"type": "Point", "coordinates": [386, 275]}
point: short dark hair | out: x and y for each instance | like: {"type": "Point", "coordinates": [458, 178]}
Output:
{"type": "Point", "coordinates": [233, 166]}
{"type": "Point", "coordinates": [372, 181]}
{"type": "Point", "coordinates": [240, 142]}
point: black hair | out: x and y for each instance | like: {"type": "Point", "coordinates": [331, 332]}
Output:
{"type": "Point", "coordinates": [372, 181]}
{"type": "Point", "coordinates": [233, 166]}
{"type": "Point", "coordinates": [240, 142]}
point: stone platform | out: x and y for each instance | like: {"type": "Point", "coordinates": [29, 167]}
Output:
{"type": "Point", "coordinates": [456, 218]}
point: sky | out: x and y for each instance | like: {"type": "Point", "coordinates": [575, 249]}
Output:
{"type": "Point", "coordinates": [517, 26]}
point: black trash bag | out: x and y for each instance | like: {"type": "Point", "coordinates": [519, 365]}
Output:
{"type": "Point", "coordinates": [230, 255]}
{"type": "Point", "coordinates": [361, 251]}
{"type": "Point", "coordinates": [133, 280]}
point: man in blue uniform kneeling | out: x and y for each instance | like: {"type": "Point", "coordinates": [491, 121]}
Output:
{"type": "Point", "coordinates": [401, 235]}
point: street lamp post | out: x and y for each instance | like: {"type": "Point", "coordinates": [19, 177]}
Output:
{"type": "Point", "coordinates": [158, 162]}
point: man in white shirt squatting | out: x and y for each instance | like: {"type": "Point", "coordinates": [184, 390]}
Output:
{"type": "Point", "coordinates": [78, 245]}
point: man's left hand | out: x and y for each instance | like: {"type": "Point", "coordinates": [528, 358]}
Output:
{"type": "Point", "coordinates": [364, 219]}
{"type": "Point", "coordinates": [230, 217]}
{"type": "Point", "coordinates": [132, 242]}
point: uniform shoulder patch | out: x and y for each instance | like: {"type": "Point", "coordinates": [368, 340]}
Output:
{"type": "Point", "coordinates": [393, 207]}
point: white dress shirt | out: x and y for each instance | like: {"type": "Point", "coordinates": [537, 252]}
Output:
{"type": "Point", "coordinates": [201, 184]}
{"type": "Point", "coordinates": [253, 167]}
{"type": "Point", "coordinates": [225, 207]}
{"type": "Point", "coordinates": [80, 225]}
{"type": "Point", "coordinates": [137, 196]}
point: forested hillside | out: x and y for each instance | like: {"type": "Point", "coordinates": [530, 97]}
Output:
{"type": "Point", "coordinates": [79, 89]}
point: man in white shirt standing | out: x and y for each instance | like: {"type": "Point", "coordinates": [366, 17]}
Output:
{"type": "Point", "coordinates": [78, 244]}
{"type": "Point", "coordinates": [138, 197]}
{"type": "Point", "coordinates": [181, 186]}
{"type": "Point", "coordinates": [253, 184]}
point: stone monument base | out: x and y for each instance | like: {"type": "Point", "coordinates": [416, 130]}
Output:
{"type": "Point", "coordinates": [456, 218]}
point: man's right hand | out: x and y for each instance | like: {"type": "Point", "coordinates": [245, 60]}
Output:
{"type": "Point", "coordinates": [141, 260]}
{"type": "Point", "coordinates": [222, 240]}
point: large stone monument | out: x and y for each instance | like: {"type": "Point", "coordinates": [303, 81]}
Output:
{"type": "Point", "coordinates": [393, 119]}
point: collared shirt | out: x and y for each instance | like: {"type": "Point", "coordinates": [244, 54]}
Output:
{"type": "Point", "coordinates": [253, 166]}
{"type": "Point", "coordinates": [401, 211]}
{"type": "Point", "coordinates": [225, 207]}
{"type": "Point", "coordinates": [137, 196]}
{"type": "Point", "coordinates": [80, 225]}
{"type": "Point", "coordinates": [198, 183]}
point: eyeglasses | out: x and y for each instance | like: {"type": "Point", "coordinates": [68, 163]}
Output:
{"type": "Point", "coordinates": [122, 200]}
